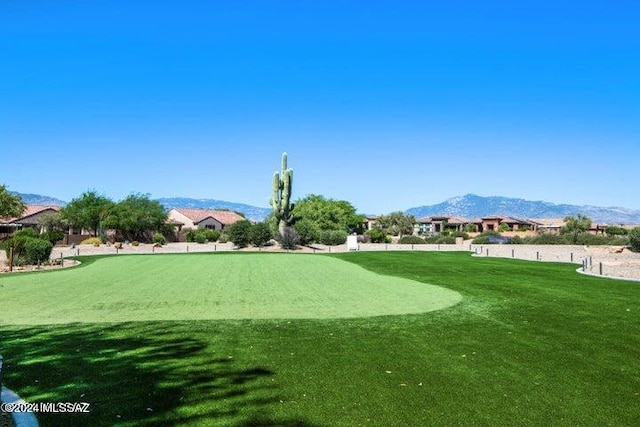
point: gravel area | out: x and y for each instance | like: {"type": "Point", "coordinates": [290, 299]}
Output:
{"type": "Point", "coordinates": [608, 261]}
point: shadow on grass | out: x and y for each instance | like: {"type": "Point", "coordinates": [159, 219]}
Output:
{"type": "Point", "coordinates": [136, 374]}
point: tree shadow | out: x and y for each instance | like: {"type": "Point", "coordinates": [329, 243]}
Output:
{"type": "Point", "coordinates": [136, 374]}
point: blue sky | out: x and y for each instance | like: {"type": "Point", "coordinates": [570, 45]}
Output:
{"type": "Point", "coordinates": [388, 105]}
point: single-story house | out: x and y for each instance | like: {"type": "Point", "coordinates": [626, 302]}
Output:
{"type": "Point", "coordinates": [202, 218]}
{"type": "Point", "coordinates": [29, 218]}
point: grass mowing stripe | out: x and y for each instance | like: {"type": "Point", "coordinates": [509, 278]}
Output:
{"type": "Point", "coordinates": [214, 286]}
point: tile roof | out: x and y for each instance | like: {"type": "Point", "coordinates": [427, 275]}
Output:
{"type": "Point", "coordinates": [30, 210]}
{"type": "Point", "coordinates": [199, 215]}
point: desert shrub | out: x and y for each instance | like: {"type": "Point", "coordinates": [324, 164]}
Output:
{"type": "Point", "coordinates": [28, 249]}
{"type": "Point", "coordinates": [238, 233]}
{"type": "Point", "coordinates": [260, 234]}
{"type": "Point", "coordinates": [159, 238]}
{"type": "Point", "coordinates": [199, 238]}
{"type": "Point", "coordinates": [332, 237]}
{"type": "Point", "coordinates": [613, 230]}
{"type": "Point", "coordinates": [546, 239]}
{"type": "Point", "coordinates": [524, 228]}
{"type": "Point", "coordinates": [591, 239]}
{"type": "Point", "coordinates": [411, 240]}
{"type": "Point", "coordinates": [37, 250]}
{"type": "Point", "coordinates": [462, 234]}
{"type": "Point", "coordinates": [377, 236]}
{"type": "Point", "coordinates": [135, 243]}
{"type": "Point", "coordinates": [364, 238]}
{"type": "Point", "coordinates": [634, 239]}
{"type": "Point", "coordinates": [288, 239]}
{"type": "Point", "coordinates": [483, 238]}
{"type": "Point", "coordinates": [224, 238]}
{"type": "Point", "coordinates": [516, 240]}
{"type": "Point", "coordinates": [91, 241]}
{"type": "Point", "coordinates": [307, 231]}
{"type": "Point", "coordinates": [211, 235]}
{"type": "Point", "coordinates": [189, 234]}
{"type": "Point", "coordinates": [445, 240]}
{"type": "Point", "coordinates": [503, 227]}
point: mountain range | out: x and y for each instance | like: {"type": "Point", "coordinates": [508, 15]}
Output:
{"type": "Point", "coordinates": [469, 206]}
{"type": "Point", "coordinates": [474, 206]}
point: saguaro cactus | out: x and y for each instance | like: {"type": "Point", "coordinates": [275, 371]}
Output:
{"type": "Point", "coordinates": [281, 198]}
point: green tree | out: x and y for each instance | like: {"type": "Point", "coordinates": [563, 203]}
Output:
{"type": "Point", "coordinates": [634, 239]}
{"type": "Point", "coordinates": [11, 205]}
{"type": "Point", "coordinates": [574, 225]}
{"type": "Point", "coordinates": [260, 234]}
{"type": "Point", "coordinates": [137, 217]}
{"type": "Point", "coordinates": [53, 226]}
{"type": "Point", "coordinates": [89, 211]}
{"type": "Point", "coordinates": [396, 223]}
{"type": "Point", "coordinates": [327, 214]}
{"type": "Point", "coordinates": [239, 233]}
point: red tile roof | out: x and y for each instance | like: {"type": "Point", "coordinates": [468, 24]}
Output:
{"type": "Point", "coordinates": [30, 210]}
{"type": "Point", "coordinates": [199, 215]}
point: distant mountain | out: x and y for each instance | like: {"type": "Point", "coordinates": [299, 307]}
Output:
{"type": "Point", "coordinates": [250, 212]}
{"type": "Point", "coordinates": [473, 206]}
{"type": "Point", "coordinates": [37, 199]}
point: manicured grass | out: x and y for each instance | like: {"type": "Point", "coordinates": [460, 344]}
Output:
{"type": "Point", "coordinates": [530, 344]}
{"type": "Point", "coordinates": [214, 286]}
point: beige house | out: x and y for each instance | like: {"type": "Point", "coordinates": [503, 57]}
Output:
{"type": "Point", "coordinates": [29, 218]}
{"type": "Point", "coordinates": [202, 218]}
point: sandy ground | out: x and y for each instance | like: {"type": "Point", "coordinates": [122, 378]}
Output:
{"type": "Point", "coordinates": [606, 261]}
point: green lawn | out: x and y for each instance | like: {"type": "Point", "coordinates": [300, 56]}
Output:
{"type": "Point", "coordinates": [529, 344]}
{"type": "Point", "coordinates": [218, 286]}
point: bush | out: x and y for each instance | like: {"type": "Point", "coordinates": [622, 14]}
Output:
{"type": "Point", "coordinates": [28, 249]}
{"type": "Point", "coordinates": [411, 240]}
{"type": "Point", "coordinates": [634, 239]}
{"type": "Point", "coordinates": [462, 234]}
{"type": "Point", "coordinates": [260, 234]}
{"type": "Point", "coordinates": [159, 238]}
{"type": "Point", "coordinates": [445, 240]}
{"type": "Point", "coordinates": [199, 238]}
{"type": "Point", "coordinates": [135, 243]}
{"type": "Point", "coordinates": [224, 238]}
{"type": "Point", "coordinates": [612, 230]}
{"type": "Point", "coordinates": [211, 235]}
{"type": "Point", "coordinates": [307, 231]}
{"type": "Point", "coordinates": [483, 238]}
{"type": "Point", "coordinates": [288, 239]}
{"type": "Point", "coordinates": [516, 240]}
{"type": "Point", "coordinates": [238, 233]}
{"type": "Point", "coordinates": [377, 236]}
{"type": "Point", "coordinates": [189, 234]}
{"type": "Point", "coordinates": [37, 250]}
{"type": "Point", "coordinates": [332, 237]}
{"type": "Point", "coordinates": [91, 241]}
